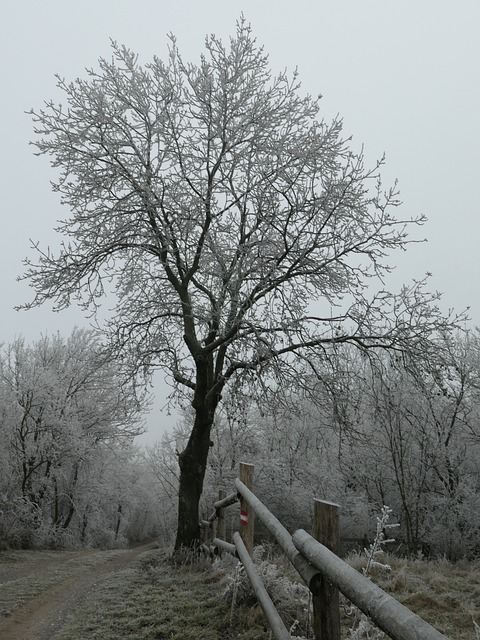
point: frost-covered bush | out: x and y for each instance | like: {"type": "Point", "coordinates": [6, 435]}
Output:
{"type": "Point", "coordinates": [291, 599]}
{"type": "Point", "coordinates": [453, 522]}
{"type": "Point", "coordinates": [362, 627]}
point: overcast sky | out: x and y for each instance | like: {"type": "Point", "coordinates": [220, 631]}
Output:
{"type": "Point", "coordinates": [404, 75]}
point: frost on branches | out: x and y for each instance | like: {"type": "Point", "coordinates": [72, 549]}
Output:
{"type": "Point", "coordinates": [227, 219]}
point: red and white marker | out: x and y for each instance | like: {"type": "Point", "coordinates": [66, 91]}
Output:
{"type": "Point", "coordinates": [243, 517]}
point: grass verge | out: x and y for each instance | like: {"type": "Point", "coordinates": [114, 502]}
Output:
{"type": "Point", "coordinates": [446, 595]}
{"type": "Point", "coordinates": [155, 599]}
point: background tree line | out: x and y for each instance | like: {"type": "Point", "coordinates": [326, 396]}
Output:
{"type": "Point", "coordinates": [69, 474]}
{"type": "Point", "coordinates": [369, 432]}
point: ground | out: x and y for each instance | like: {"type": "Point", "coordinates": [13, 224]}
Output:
{"type": "Point", "coordinates": [146, 594]}
{"type": "Point", "coordinates": [39, 591]}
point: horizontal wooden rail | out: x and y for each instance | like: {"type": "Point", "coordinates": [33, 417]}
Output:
{"type": "Point", "coordinates": [308, 573]}
{"type": "Point", "coordinates": [226, 546]}
{"type": "Point", "coordinates": [392, 617]}
{"type": "Point", "coordinates": [226, 502]}
{"type": "Point", "coordinates": [221, 504]}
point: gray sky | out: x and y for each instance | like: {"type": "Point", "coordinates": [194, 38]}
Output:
{"type": "Point", "coordinates": [403, 75]}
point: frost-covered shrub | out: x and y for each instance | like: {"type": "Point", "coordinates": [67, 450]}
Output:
{"type": "Point", "coordinates": [362, 626]}
{"type": "Point", "coordinates": [453, 523]}
{"type": "Point", "coordinates": [291, 599]}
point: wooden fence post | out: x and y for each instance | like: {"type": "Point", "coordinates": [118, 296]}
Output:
{"type": "Point", "coordinates": [247, 516]}
{"type": "Point", "coordinates": [326, 604]}
{"type": "Point", "coordinates": [221, 516]}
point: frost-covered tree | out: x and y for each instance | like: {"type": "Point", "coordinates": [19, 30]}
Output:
{"type": "Point", "coordinates": [64, 412]}
{"type": "Point", "coordinates": [410, 440]}
{"type": "Point", "coordinates": [229, 219]}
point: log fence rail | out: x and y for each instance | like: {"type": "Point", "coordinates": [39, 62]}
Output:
{"type": "Point", "coordinates": [315, 560]}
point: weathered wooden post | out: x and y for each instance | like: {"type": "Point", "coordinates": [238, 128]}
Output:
{"type": "Point", "coordinates": [326, 604]}
{"type": "Point", "coordinates": [221, 516]}
{"type": "Point", "coordinates": [206, 532]}
{"type": "Point", "coordinates": [247, 516]}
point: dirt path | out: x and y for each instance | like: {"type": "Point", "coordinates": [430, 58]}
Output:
{"type": "Point", "coordinates": [42, 616]}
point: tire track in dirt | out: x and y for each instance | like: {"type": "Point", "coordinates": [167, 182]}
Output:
{"type": "Point", "coordinates": [38, 564]}
{"type": "Point", "coordinates": [44, 616]}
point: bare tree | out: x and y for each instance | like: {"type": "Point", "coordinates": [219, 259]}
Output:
{"type": "Point", "coordinates": [219, 208]}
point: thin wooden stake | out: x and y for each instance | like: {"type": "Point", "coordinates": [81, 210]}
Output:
{"type": "Point", "coordinates": [221, 516]}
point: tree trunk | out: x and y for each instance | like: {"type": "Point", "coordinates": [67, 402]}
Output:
{"type": "Point", "coordinates": [72, 507]}
{"type": "Point", "coordinates": [83, 535]}
{"type": "Point", "coordinates": [119, 518]}
{"type": "Point", "coordinates": [193, 462]}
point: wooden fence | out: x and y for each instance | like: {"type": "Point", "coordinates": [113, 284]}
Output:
{"type": "Point", "coordinates": [316, 561]}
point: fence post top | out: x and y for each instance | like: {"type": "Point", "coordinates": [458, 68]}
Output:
{"type": "Point", "coordinates": [246, 464]}
{"type": "Point", "coordinates": [331, 504]}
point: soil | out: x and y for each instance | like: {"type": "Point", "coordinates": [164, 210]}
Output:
{"type": "Point", "coordinates": [44, 616]}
